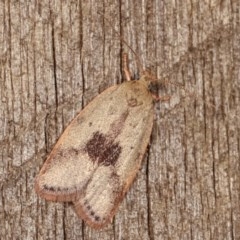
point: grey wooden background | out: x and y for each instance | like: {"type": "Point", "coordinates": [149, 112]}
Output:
{"type": "Point", "coordinates": [55, 56]}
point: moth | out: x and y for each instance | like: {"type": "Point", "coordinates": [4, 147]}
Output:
{"type": "Point", "coordinates": [99, 154]}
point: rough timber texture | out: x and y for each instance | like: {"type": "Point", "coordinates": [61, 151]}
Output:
{"type": "Point", "coordinates": [55, 56]}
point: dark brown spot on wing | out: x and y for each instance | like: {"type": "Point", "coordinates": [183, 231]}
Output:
{"type": "Point", "coordinates": [49, 188]}
{"type": "Point", "coordinates": [102, 149]}
{"type": "Point", "coordinates": [133, 97]}
{"type": "Point", "coordinates": [54, 189]}
{"type": "Point", "coordinates": [132, 102]}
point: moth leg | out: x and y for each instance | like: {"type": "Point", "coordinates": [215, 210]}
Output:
{"type": "Point", "coordinates": [161, 98]}
{"type": "Point", "coordinates": [125, 67]}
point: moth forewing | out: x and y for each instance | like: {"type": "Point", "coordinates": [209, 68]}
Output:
{"type": "Point", "coordinates": [99, 154]}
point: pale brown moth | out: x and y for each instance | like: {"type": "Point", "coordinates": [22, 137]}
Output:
{"type": "Point", "coordinates": [99, 154]}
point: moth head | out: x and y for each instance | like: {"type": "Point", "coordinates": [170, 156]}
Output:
{"type": "Point", "coordinates": [148, 78]}
{"type": "Point", "coordinates": [151, 82]}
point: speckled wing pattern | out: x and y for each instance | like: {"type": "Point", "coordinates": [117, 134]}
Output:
{"type": "Point", "coordinates": [98, 155]}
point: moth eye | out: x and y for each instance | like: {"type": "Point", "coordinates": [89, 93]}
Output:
{"type": "Point", "coordinates": [97, 218]}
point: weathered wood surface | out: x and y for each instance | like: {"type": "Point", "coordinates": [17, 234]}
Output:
{"type": "Point", "coordinates": [55, 56]}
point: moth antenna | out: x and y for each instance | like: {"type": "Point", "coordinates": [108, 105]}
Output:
{"type": "Point", "coordinates": [125, 67]}
{"type": "Point", "coordinates": [138, 61]}
{"type": "Point", "coordinates": [142, 71]}
{"type": "Point", "coordinates": [166, 81]}
{"type": "Point", "coordinates": [187, 93]}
